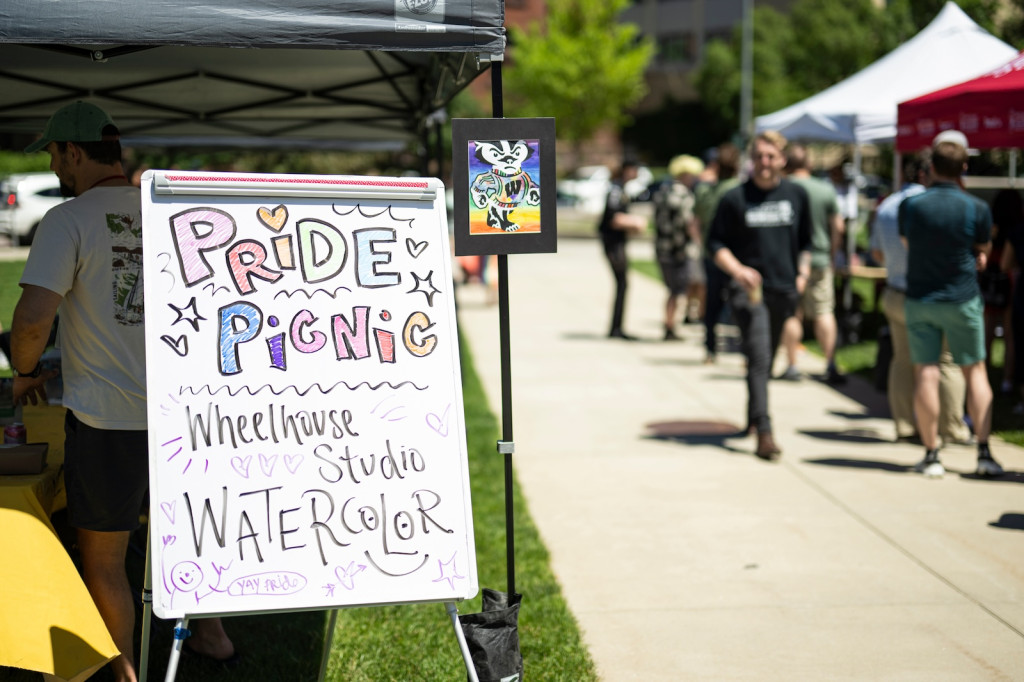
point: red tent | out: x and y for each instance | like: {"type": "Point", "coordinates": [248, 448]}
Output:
{"type": "Point", "coordinates": [988, 109]}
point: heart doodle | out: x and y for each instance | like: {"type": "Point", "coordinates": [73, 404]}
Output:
{"type": "Point", "coordinates": [168, 509]}
{"type": "Point", "coordinates": [180, 344]}
{"type": "Point", "coordinates": [169, 539]}
{"type": "Point", "coordinates": [241, 465]}
{"type": "Point", "coordinates": [292, 462]}
{"type": "Point", "coordinates": [267, 464]}
{"type": "Point", "coordinates": [439, 424]}
{"type": "Point", "coordinates": [414, 247]}
{"type": "Point", "coordinates": [274, 218]}
{"type": "Point", "coordinates": [347, 575]}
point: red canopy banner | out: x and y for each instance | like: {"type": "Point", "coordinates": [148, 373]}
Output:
{"type": "Point", "coordinates": [988, 109]}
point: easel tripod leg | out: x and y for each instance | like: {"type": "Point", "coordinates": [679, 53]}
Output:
{"type": "Point", "coordinates": [147, 615]}
{"type": "Point", "coordinates": [461, 636]}
{"type": "Point", "coordinates": [180, 633]}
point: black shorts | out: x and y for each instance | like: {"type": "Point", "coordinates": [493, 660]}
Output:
{"type": "Point", "coordinates": [106, 475]}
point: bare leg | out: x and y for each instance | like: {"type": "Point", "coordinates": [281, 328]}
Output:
{"type": "Point", "coordinates": [926, 404]}
{"type": "Point", "coordinates": [792, 332]}
{"type": "Point", "coordinates": [209, 639]}
{"type": "Point", "coordinates": [979, 399]}
{"type": "Point", "coordinates": [103, 556]}
{"type": "Point", "coordinates": [670, 311]}
{"type": "Point", "coordinates": [696, 295]}
{"type": "Point", "coordinates": [825, 331]}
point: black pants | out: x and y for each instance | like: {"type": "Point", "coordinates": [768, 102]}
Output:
{"type": "Point", "coordinates": [760, 327]}
{"type": "Point", "coordinates": [716, 284]}
{"type": "Point", "coordinates": [615, 252]}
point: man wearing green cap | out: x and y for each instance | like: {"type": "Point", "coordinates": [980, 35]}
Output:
{"type": "Point", "coordinates": [86, 261]}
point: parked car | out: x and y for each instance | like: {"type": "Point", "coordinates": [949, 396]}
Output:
{"type": "Point", "coordinates": [24, 199]}
{"type": "Point", "coordinates": [587, 188]}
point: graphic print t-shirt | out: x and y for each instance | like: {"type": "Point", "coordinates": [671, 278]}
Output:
{"type": "Point", "coordinates": [89, 251]}
{"type": "Point", "coordinates": [765, 230]}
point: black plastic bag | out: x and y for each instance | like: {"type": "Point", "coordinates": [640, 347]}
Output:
{"type": "Point", "coordinates": [493, 637]}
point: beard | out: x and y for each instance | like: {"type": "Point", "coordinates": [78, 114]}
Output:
{"type": "Point", "coordinates": [66, 191]}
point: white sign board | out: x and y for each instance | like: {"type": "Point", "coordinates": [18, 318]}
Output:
{"type": "Point", "coordinates": [306, 438]}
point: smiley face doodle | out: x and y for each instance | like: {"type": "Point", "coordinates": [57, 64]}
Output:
{"type": "Point", "coordinates": [186, 576]}
{"type": "Point", "coordinates": [503, 188]}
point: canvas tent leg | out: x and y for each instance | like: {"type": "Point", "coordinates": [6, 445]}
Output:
{"type": "Point", "coordinates": [506, 445]}
{"type": "Point", "coordinates": [453, 613]}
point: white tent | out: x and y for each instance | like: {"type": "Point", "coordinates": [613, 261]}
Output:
{"type": "Point", "coordinates": [862, 108]}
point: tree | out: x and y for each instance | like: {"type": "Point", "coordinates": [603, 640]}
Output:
{"type": "Point", "coordinates": [1013, 25]}
{"type": "Point", "coordinates": [584, 68]}
{"type": "Point", "coordinates": [818, 44]}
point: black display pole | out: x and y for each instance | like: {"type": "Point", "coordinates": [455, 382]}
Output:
{"type": "Point", "coordinates": [505, 445]}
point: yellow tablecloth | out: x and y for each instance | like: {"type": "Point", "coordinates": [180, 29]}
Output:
{"type": "Point", "coordinates": [48, 621]}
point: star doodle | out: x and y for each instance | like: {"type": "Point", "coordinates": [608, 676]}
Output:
{"type": "Point", "coordinates": [425, 286]}
{"type": "Point", "coordinates": [329, 588]}
{"type": "Point", "coordinates": [451, 574]}
{"type": "Point", "coordinates": [192, 319]}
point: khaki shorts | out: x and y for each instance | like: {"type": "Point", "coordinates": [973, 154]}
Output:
{"type": "Point", "coordinates": [819, 296]}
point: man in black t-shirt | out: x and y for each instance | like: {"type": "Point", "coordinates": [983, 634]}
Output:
{"type": "Point", "coordinates": [760, 237]}
{"type": "Point", "coordinates": [617, 223]}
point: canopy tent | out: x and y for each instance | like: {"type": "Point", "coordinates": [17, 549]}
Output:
{"type": "Point", "coordinates": [366, 73]}
{"type": "Point", "coordinates": [988, 109]}
{"type": "Point", "coordinates": [862, 108]}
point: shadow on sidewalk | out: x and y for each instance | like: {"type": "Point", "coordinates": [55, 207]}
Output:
{"type": "Point", "coordinates": [852, 463]}
{"type": "Point", "coordinates": [1010, 521]}
{"type": "Point", "coordinates": [862, 436]}
{"type": "Point", "coordinates": [698, 433]}
{"type": "Point", "coordinates": [861, 464]}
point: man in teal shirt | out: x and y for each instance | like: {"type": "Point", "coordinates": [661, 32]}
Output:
{"type": "Point", "coordinates": [948, 234]}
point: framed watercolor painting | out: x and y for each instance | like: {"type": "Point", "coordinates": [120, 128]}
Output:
{"type": "Point", "coordinates": [503, 186]}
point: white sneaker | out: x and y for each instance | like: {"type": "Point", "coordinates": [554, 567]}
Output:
{"type": "Point", "coordinates": [988, 467]}
{"type": "Point", "coordinates": [930, 466]}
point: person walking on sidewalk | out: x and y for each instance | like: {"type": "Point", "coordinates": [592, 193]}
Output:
{"type": "Point", "coordinates": [887, 249]}
{"type": "Point", "coordinates": [617, 223]}
{"type": "Point", "coordinates": [818, 301]}
{"type": "Point", "coordinates": [708, 195]}
{"type": "Point", "coordinates": [760, 237]}
{"type": "Point", "coordinates": [676, 242]}
{"type": "Point", "coordinates": [87, 260]}
{"type": "Point", "coordinates": [948, 235]}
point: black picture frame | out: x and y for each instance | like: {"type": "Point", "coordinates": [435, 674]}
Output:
{"type": "Point", "coordinates": [508, 221]}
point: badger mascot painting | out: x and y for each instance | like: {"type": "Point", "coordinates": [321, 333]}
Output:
{"type": "Point", "coordinates": [506, 186]}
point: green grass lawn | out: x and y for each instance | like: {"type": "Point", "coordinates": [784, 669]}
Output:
{"type": "Point", "coordinates": [860, 358]}
{"type": "Point", "coordinates": [401, 643]}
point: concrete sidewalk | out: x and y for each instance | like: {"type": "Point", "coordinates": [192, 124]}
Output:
{"type": "Point", "coordinates": [684, 557]}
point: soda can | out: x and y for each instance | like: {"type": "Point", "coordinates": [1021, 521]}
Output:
{"type": "Point", "coordinates": [15, 434]}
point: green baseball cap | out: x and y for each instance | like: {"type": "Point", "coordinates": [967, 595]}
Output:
{"type": "Point", "coordinates": [77, 122]}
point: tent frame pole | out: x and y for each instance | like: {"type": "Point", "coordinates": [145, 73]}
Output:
{"type": "Point", "coordinates": [506, 445]}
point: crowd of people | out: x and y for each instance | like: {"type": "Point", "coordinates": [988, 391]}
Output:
{"type": "Point", "coordinates": [764, 248]}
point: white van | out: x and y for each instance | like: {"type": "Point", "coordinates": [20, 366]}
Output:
{"type": "Point", "coordinates": [24, 199]}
